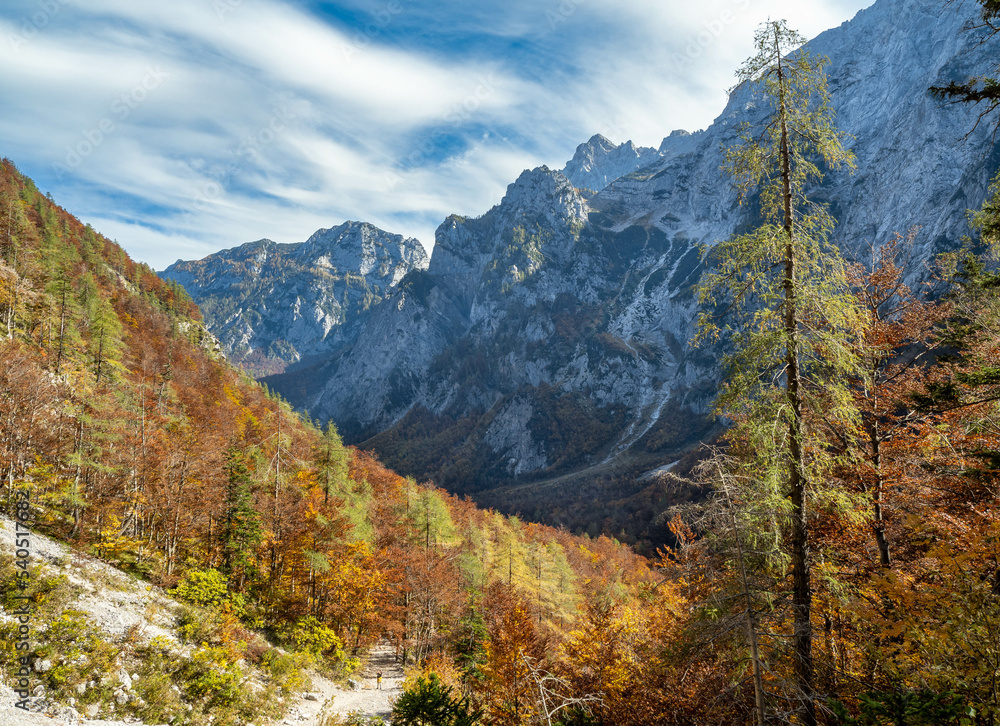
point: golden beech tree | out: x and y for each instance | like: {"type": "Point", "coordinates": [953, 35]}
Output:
{"type": "Point", "coordinates": [607, 660]}
{"type": "Point", "coordinates": [509, 693]}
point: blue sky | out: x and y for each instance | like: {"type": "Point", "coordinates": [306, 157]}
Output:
{"type": "Point", "coordinates": [184, 127]}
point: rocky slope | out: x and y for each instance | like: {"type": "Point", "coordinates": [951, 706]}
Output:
{"type": "Point", "coordinates": [130, 614]}
{"type": "Point", "coordinates": [274, 305]}
{"type": "Point", "coordinates": [551, 334]}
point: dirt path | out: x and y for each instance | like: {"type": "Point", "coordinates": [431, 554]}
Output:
{"type": "Point", "coordinates": [368, 699]}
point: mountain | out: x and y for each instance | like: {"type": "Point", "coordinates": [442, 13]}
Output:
{"type": "Point", "coordinates": [541, 361]}
{"type": "Point", "coordinates": [599, 162]}
{"type": "Point", "coordinates": [274, 305]}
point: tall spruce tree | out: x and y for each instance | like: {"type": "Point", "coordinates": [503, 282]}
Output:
{"type": "Point", "coordinates": [241, 530]}
{"type": "Point", "coordinates": [787, 310]}
{"type": "Point", "coordinates": [65, 335]}
{"type": "Point", "coordinates": [105, 339]}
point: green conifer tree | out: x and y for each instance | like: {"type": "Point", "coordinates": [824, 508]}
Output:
{"type": "Point", "coordinates": [65, 313]}
{"type": "Point", "coordinates": [788, 309]}
{"type": "Point", "coordinates": [241, 529]}
{"type": "Point", "coordinates": [332, 462]}
{"type": "Point", "coordinates": [105, 339]}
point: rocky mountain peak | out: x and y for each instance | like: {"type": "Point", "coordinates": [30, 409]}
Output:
{"type": "Point", "coordinates": [273, 305]}
{"type": "Point", "coordinates": [599, 162]}
{"type": "Point", "coordinates": [365, 248]}
{"type": "Point", "coordinates": [597, 144]}
{"type": "Point", "coordinates": [546, 193]}
{"type": "Point", "coordinates": [679, 141]}
{"type": "Point", "coordinates": [469, 252]}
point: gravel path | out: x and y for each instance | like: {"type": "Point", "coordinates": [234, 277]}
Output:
{"type": "Point", "coordinates": [368, 699]}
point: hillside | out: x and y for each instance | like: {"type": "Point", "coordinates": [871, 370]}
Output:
{"type": "Point", "coordinates": [102, 603]}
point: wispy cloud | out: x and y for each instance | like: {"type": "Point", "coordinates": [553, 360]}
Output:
{"type": "Point", "coordinates": [184, 127]}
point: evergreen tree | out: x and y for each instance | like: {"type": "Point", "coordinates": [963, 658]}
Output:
{"type": "Point", "coordinates": [332, 462]}
{"type": "Point", "coordinates": [241, 528]}
{"type": "Point", "coordinates": [105, 339]}
{"type": "Point", "coordinates": [65, 313]}
{"type": "Point", "coordinates": [789, 312]}
{"type": "Point", "coordinates": [430, 703]}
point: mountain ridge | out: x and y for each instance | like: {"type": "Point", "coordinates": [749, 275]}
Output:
{"type": "Point", "coordinates": [552, 332]}
{"type": "Point", "coordinates": [267, 326]}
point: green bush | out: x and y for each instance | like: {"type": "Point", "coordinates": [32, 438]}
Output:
{"type": "Point", "coordinates": [430, 703]}
{"type": "Point", "coordinates": [199, 625]}
{"type": "Point", "coordinates": [209, 589]}
{"type": "Point", "coordinates": [286, 670]}
{"type": "Point", "coordinates": [212, 678]}
{"type": "Point", "coordinates": [202, 587]}
{"type": "Point", "coordinates": [915, 708]}
{"type": "Point", "coordinates": [311, 635]}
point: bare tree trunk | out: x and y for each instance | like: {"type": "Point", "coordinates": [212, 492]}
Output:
{"type": "Point", "coordinates": [878, 525]}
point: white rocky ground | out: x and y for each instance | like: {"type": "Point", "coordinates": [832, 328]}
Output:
{"type": "Point", "coordinates": [116, 603]}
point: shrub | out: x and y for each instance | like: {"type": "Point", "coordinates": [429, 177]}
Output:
{"type": "Point", "coordinates": [202, 587]}
{"type": "Point", "coordinates": [918, 708]}
{"type": "Point", "coordinates": [312, 636]}
{"type": "Point", "coordinates": [199, 625]}
{"type": "Point", "coordinates": [212, 678]}
{"type": "Point", "coordinates": [430, 703]}
{"type": "Point", "coordinates": [286, 670]}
